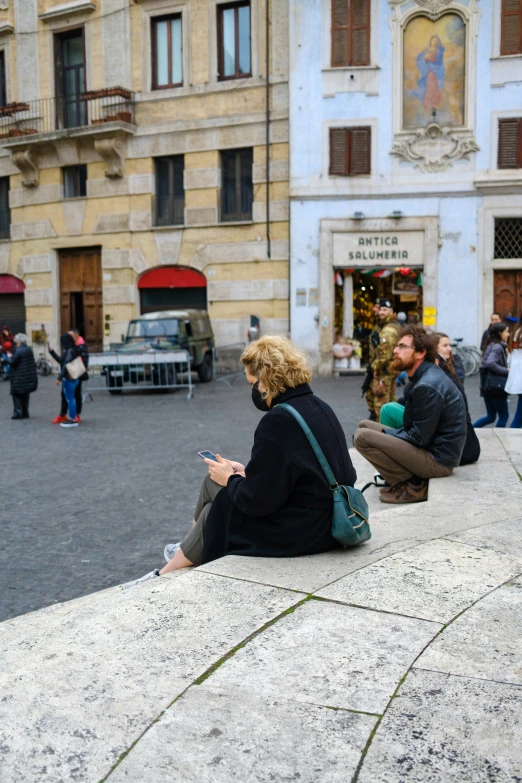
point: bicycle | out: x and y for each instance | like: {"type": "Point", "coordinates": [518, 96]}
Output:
{"type": "Point", "coordinates": [470, 356]}
{"type": "Point", "coordinates": [44, 366]}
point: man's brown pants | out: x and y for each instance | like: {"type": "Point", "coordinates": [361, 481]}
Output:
{"type": "Point", "coordinates": [394, 458]}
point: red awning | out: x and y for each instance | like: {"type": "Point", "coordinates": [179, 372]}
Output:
{"type": "Point", "coordinates": [11, 285]}
{"type": "Point", "coordinates": [172, 277]}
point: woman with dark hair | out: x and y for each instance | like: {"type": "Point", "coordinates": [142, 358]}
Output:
{"type": "Point", "coordinates": [68, 354]}
{"type": "Point", "coordinates": [514, 381]}
{"type": "Point", "coordinates": [494, 367]}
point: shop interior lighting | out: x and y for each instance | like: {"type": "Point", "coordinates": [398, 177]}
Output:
{"type": "Point", "coordinates": [358, 215]}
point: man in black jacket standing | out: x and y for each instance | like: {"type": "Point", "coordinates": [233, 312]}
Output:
{"type": "Point", "coordinates": [432, 438]}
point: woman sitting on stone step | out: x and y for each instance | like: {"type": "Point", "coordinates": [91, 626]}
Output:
{"type": "Point", "coordinates": [280, 504]}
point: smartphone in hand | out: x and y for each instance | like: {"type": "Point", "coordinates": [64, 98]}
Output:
{"type": "Point", "coordinates": [207, 455]}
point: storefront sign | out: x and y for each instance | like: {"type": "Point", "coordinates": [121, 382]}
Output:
{"type": "Point", "coordinates": [390, 248]}
{"type": "Point", "coordinates": [430, 316]}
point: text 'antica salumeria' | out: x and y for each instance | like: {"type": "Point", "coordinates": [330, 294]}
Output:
{"type": "Point", "coordinates": [378, 242]}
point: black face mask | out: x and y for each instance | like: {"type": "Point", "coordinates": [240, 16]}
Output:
{"type": "Point", "coordinates": [258, 400]}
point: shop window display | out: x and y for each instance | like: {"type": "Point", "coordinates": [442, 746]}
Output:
{"type": "Point", "coordinates": [356, 291]}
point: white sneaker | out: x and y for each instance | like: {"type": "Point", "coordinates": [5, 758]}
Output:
{"type": "Point", "coordinates": [170, 550]}
{"type": "Point", "coordinates": [145, 578]}
{"type": "Point", "coordinates": [68, 423]}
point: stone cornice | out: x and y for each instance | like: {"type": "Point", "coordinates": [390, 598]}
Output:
{"type": "Point", "coordinates": [66, 9]}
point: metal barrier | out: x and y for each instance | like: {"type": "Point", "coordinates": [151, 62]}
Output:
{"type": "Point", "coordinates": [119, 372]}
{"type": "Point", "coordinates": [226, 363]}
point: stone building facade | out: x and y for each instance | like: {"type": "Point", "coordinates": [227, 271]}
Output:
{"type": "Point", "coordinates": [406, 166]}
{"type": "Point", "coordinates": [136, 135]}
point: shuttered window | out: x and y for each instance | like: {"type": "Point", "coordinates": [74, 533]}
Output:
{"type": "Point", "coordinates": [511, 34]}
{"type": "Point", "coordinates": [510, 143]}
{"type": "Point", "coordinates": [350, 33]}
{"type": "Point", "coordinates": [350, 151]}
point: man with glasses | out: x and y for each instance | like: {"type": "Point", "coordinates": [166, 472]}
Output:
{"type": "Point", "coordinates": [431, 440]}
{"type": "Point", "coordinates": [382, 377]}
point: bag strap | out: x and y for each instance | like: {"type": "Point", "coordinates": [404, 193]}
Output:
{"type": "Point", "coordinates": [313, 443]}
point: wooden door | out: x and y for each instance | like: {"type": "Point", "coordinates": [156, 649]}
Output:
{"type": "Point", "coordinates": [508, 293]}
{"type": "Point", "coordinates": [81, 294]}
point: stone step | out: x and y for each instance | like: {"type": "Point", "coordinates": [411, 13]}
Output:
{"type": "Point", "coordinates": [310, 669]}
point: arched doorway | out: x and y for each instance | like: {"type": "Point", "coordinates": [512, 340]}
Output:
{"type": "Point", "coordinates": [12, 303]}
{"type": "Point", "coordinates": [172, 288]}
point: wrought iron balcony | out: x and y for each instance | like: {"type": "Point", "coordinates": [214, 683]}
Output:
{"type": "Point", "coordinates": [77, 114]}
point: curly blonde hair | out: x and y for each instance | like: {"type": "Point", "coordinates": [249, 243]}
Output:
{"type": "Point", "coordinates": [277, 364]}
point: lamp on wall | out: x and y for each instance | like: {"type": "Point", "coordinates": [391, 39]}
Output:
{"type": "Point", "coordinates": [358, 215]}
{"type": "Point", "coordinates": [396, 214]}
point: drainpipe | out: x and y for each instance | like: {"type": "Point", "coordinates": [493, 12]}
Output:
{"type": "Point", "coordinates": [267, 59]}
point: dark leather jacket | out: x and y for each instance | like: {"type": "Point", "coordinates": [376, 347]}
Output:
{"type": "Point", "coordinates": [435, 415]}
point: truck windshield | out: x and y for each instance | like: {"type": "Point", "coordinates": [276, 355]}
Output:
{"type": "Point", "coordinates": [167, 328]}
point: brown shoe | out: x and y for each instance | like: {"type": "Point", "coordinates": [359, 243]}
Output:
{"type": "Point", "coordinates": [391, 488]}
{"type": "Point", "coordinates": [406, 493]}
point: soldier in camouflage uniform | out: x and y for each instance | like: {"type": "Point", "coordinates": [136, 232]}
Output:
{"type": "Point", "coordinates": [383, 386]}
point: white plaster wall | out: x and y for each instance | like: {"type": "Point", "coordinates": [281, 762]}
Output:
{"type": "Point", "coordinates": [450, 196]}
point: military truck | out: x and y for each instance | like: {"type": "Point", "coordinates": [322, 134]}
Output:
{"type": "Point", "coordinates": [166, 330]}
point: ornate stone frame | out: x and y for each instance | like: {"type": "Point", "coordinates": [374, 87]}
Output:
{"type": "Point", "coordinates": [329, 227]}
{"type": "Point", "coordinates": [435, 147]}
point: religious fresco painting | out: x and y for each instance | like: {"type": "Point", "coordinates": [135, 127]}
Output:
{"type": "Point", "coordinates": [434, 70]}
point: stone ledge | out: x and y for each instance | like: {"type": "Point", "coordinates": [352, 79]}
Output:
{"type": "Point", "coordinates": [236, 666]}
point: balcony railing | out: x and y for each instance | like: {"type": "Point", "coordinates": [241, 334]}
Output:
{"type": "Point", "coordinates": [80, 110]}
{"type": "Point", "coordinates": [169, 211]}
{"type": "Point", "coordinates": [236, 202]}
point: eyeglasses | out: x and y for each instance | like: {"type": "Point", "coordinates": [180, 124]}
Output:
{"type": "Point", "coordinates": [404, 347]}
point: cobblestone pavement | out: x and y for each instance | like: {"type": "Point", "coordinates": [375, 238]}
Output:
{"type": "Point", "coordinates": [87, 508]}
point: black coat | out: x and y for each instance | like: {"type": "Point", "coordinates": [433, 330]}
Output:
{"type": "Point", "coordinates": [435, 415]}
{"type": "Point", "coordinates": [283, 508]}
{"type": "Point", "coordinates": [24, 378]}
{"type": "Point", "coordinates": [471, 452]}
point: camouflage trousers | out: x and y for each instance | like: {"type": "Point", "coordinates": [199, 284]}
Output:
{"type": "Point", "coordinates": [385, 386]}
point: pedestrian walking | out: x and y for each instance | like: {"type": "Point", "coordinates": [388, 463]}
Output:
{"type": "Point", "coordinates": [23, 376]}
{"type": "Point", "coordinates": [83, 352]}
{"type": "Point", "coordinates": [382, 388]}
{"type": "Point", "coordinates": [514, 381]}
{"type": "Point", "coordinates": [493, 377]}
{"type": "Point", "coordinates": [69, 353]}
{"type": "Point", "coordinates": [495, 319]}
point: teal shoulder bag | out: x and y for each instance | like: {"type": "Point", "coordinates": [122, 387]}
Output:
{"type": "Point", "coordinates": [350, 525]}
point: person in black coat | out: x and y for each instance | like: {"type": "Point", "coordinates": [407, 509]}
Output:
{"type": "Point", "coordinates": [280, 504]}
{"type": "Point", "coordinates": [23, 375]}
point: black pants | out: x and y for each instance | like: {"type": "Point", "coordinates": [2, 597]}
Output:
{"type": "Point", "coordinates": [78, 396]}
{"type": "Point", "coordinates": [21, 405]}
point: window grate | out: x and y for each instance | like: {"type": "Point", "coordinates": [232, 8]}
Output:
{"type": "Point", "coordinates": [508, 238]}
